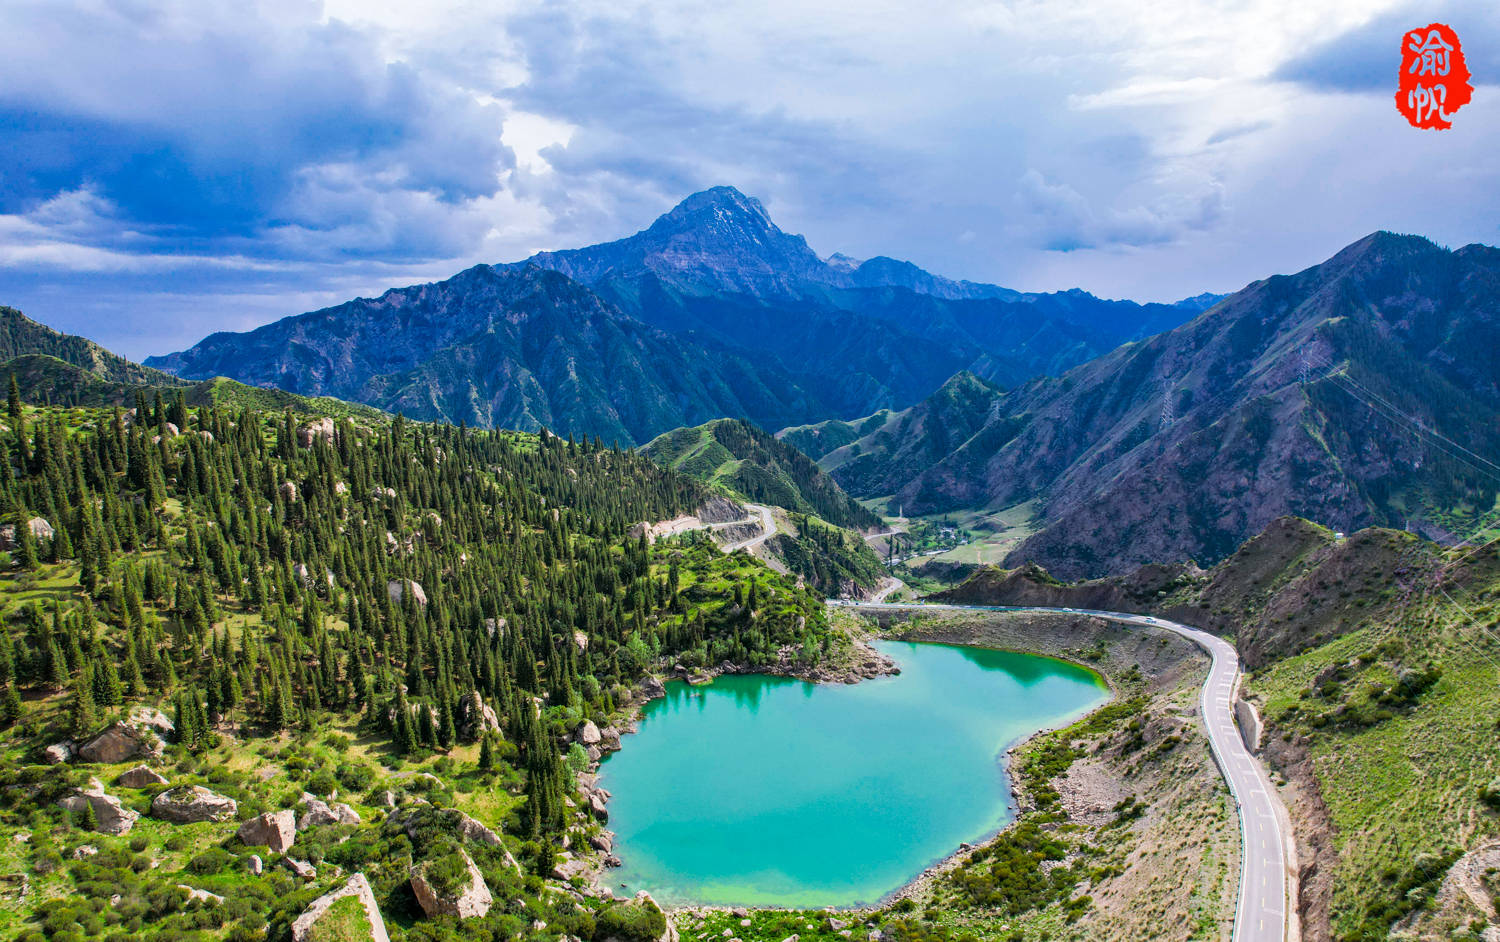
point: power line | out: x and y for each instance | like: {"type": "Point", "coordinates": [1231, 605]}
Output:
{"type": "Point", "coordinates": [1492, 469]}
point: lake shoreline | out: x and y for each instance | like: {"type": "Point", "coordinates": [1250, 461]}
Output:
{"type": "Point", "coordinates": [852, 672]}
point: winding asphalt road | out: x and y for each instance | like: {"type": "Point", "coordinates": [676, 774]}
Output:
{"type": "Point", "coordinates": [1262, 913]}
{"type": "Point", "coordinates": [767, 529]}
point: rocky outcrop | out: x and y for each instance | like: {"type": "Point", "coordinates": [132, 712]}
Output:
{"type": "Point", "coordinates": [300, 868]}
{"type": "Point", "coordinates": [59, 752]}
{"type": "Point", "coordinates": [396, 589]}
{"type": "Point", "coordinates": [643, 900]}
{"type": "Point", "coordinates": [40, 529]}
{"type": "Point", "coordinates": [451, 819]}
{"type": "Point", "coordinates": [307, 434]}
{"type": "Point", "coordinates": [567, 867]}
{"type": "Point", "coordinates": [274, 829]}
{"type": "Point", "coordinates": [189, 804]}
{"type": "Point", "coordinates": [142, 776]}
{"type": "Point", "coordinates": [1247, 720]}
{"type": "Point", "coordinates": [476, 717]}
{"type": "Point", "coordinates": [304, 928]}
{"type": "Point", "coordinates": [587, 734]}
{"type": "Point", "coordinates": [200, 896]}
{"type": "Point", "coordinates": [318, 813]}
{"type": "Point", "coordinates": [110, 816]}
{"type": "Point", "coordinates": [598, 802]}
{"type": "Point", "coordinates": [471, 830]}
{"type": "Point", "coordinates": [472, 900]}
{"type": "Point", "coordinates": [121, 742]}
{"type": "Point", "coordinates": [155, 720]}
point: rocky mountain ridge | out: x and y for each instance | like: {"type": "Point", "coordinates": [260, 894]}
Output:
{"type": "Point", "coordinates": [711, 311]}
{"type": "Point", "coordinates": [1184, 444]}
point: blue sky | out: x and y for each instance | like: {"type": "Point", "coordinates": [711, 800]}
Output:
{"type": "Point", "coordinates": [173, 167]}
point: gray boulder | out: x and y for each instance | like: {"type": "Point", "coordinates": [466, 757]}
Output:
{"type": "Point", "coordinates": [154, 719]}
{"type": "Point", "coordinates": [121, 742]}
{"type": "Point", "coordinates": [597, 801]}
{"type": "Point", "coordinates": [110, 816]}
{"type": "Point", "coordinates": [59, 752]}
{"type": "Point", "coordinates": [300, 868]}
{"type": "Point", "coordinates": [567, 867]}
{"type": "Point", "coordinates": [454, 821]}
{"type": "Point", "coordinates": [200, 896]}
{"type": "Point", "coordinates": [307, 434]}
{"type": "Point", "coordinates": [305, 928]}
{"type": "Point", "coordinates": [274, 829]}
{"type": "Point", "coordinates": [396, 588]}
{"type": "Point", "coordinates": [189, 804]}
{"type": "Point", "coordinates": [142, 776]}
{"type": "Point", "coordinates": [318, 813]}
{"type": "Point", "coordinates": [471, 901]}
{"type": "Point", "coordinates": [40, 529]}
{"type": "Point", "coordinates": [588, 734]}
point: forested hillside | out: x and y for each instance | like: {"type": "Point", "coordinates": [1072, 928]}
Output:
{"type": "Point", "coordinates": [22, 336]}
{"type": "Point", "coordinates": [734, 454]}
{"type": "Point", "coordinates": [360, 622]}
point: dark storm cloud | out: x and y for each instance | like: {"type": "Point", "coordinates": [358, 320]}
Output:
{"type": "Point", "coordinates": [215, 133]}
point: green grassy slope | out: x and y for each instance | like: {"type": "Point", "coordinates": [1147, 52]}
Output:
{"type": "Point", "coordinates": [820, 438]}
{"type": "Point", "coordinates": [1391, 733]}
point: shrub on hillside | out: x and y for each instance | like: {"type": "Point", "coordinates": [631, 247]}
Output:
{"type": "Point", "coordinates": [635, 921]}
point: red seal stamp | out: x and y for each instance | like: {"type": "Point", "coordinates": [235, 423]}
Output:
{"type": "Point", "coordinates": [1434, 80]}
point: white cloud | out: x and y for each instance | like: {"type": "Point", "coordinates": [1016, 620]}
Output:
{"type": "Point", "coordinates": [312, 148]}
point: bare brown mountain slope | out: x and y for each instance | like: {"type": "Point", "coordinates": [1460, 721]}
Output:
{"type": "Point", "coordinates": [1293, 585]}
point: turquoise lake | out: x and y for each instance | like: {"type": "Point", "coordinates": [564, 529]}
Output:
{"type": "Point", "coordinates": [764, 791]}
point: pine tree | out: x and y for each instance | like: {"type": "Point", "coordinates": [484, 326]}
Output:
{"type": "Point", "coordinates": [487, 753]}
{"type": "Point", "coordinates": [17, 415]}
{"type": "Point", "coordinates": [426, 729]}
{"type": "Point", "coordinates": [11, 709]}
{"type": "Point", "coordinates": [27, 545]}
{"type": "Point", "coordinates": [83, 718]}
{"type": "Point", "coordinates": [57, 665]}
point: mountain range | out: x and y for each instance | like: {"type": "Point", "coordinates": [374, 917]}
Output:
{"type": "Point", "coordinates": [1361, 391]}
{"type": "Point", "coordinates": [711, 311]}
